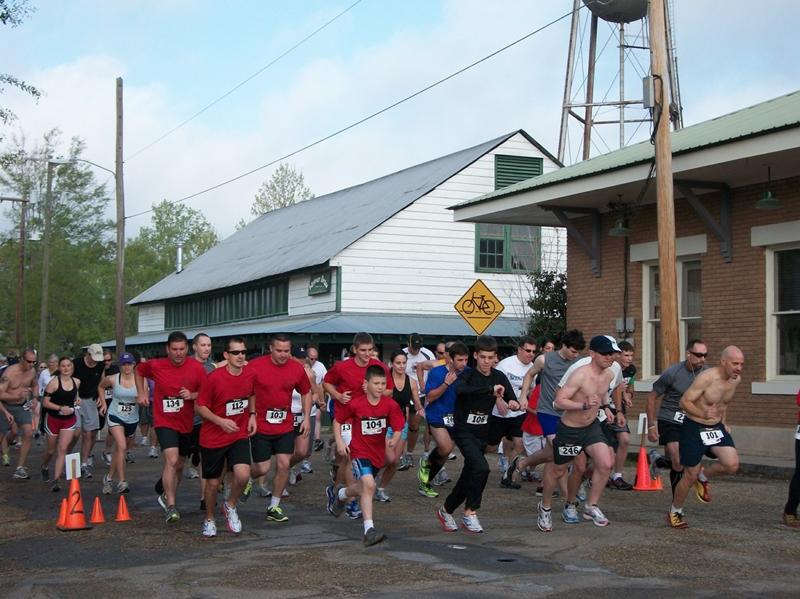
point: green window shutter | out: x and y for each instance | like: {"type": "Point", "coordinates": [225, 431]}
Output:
{"type": "Point", "coordinates": [513, 169]}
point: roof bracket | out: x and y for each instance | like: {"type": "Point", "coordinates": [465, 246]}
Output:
{"type": "Point", "coordinates": [722, 229]}
{"type": "Point", "coordinates": [591, 249]}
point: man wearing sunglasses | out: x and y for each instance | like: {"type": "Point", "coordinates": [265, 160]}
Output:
{"type": "Point", "coordinates": [665, 418]}
{"type": "Point", "coordinates": [18, 387]}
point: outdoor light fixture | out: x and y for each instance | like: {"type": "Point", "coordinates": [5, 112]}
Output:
{"type": "Point", "coordinates": [768, 201]}
{"type": "Point", "coordinates": [620, 228]}
{"type": "Point", "coordinates": [623, 211]}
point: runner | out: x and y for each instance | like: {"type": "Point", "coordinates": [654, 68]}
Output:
{"type": "Point", "coordinates": [476, 392]}
{"type": "Point", "coordinates": [302, 443]}
{"type": "Point", "coordinates": [319, 403]}
{"type": "Point", "coordinates": [582, 393]}
{"type": "Point", "coordinates": [61, 422]}
{"type": "Point", "coordinates": [369, 414]}
{"type": "Point", "coordinates": [201, 351]}
{"type": "Point", "coordinates": [415, 353]}
{"type": "Point", "coordinates": [227, 406]}
{"type": "Point", "coordinates": [276, 376]}
{"type": "Point", "coordinates": [18, 388]}
{"type": "Point", "coordinates": [109, 369]}
{"type": "Point", "coordinates": [704, 430]}
{"type": "Point", "coordinates": [178, 381]}
{"type": "Point", "coordinates": [123, 418]}
{"type": "Point", "coordinates": [790, 509]}
{"type": "Point", "coordinates": [620, 403]}
{"type": "Point", "coordinates": [89, 371]}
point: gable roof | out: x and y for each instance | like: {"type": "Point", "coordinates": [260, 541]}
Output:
{"type": "Point", "coordinates": [312, 232]}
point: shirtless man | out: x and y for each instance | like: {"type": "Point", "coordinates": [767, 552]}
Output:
{"type": "Point", "coordinates": [18, 388]}
{"type": "Point", "coordinates": [704, 431]}
{"type": "Point", "coordinates": [581, 396]}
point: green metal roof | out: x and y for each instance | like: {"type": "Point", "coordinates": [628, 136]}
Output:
{"type": "Point", "coordinates": [779, 113]}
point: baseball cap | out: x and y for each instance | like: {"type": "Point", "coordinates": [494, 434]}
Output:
{"type": "Point", "coordinates": [604, 344]}
{"type": "Point", "coordinates": [299, 352]}
{"type": "Point", "coordinates": [127, 358]}
{"type": "Point", "coordinates": [95, 351]}
{"type": "Point", "coordinates": [415, 341]}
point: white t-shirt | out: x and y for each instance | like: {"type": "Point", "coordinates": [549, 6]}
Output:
{"type": "Point", "coordinates": [44, 379]}
{"type": "Point", "coordinates": [297, 399]}
{"type": "Point", "coordinates": [411, 362]}
{"type": "Point", "coordinates": [615, 382]}
{"type": "Point", "coordinates": [319, 373]}
{"type": "Point", "coordinates": [515, 371]}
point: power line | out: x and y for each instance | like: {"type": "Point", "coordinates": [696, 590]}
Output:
{"type": "Point", "coordinates": [250, 78]}
{"type": "Point", "coordinates": [363, 120]}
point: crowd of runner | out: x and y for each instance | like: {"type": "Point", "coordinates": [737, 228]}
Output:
{"type": "Point", "coordinates": [554, 418]}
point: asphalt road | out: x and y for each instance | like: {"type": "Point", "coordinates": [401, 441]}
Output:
{"type": "Point", "coordinates": [735, 546]}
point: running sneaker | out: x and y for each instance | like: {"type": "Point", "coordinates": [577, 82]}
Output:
{"type": "Point", "coordinates": [86, 472]}
{"type": "Point", "coordinates": [209, 528]}
{"type": "Point", "coordinates": [427, 491]}
{"type": "Point", "coordinates": [380, 495]}
{"type": "Point", "coordinates": [354, 510]}
{"type": "Point", "coordinates": [676, 520]}
{"type": "Point", "coordinates": [45, 474]}
{"type": "Point", "coordinates": [56, 487]}
{"type": "Point", "coordinates": [122, 487]}
{"type": "Point", "coordinates": [471, 523]}
{"type": "Point", "coordinates": [318, 445]}
{"type": "Point", "coordinates": [285, 493]}
{"type": "Point", "coordinates": [262, 491]}
{"type": "Point", "coordinates": [620, 484]}
{"type": "Point", "coordinates": [21, 473]}
{"type": "Point", "coordinates": [452, 457]}
{"type": "Point", "coordinates": [405, 462]}
{"type": "Point", "coordinates": [191, 472]}
{"type": "Point", "coordinates": [306, 468]}
{"type": "Point", "coordinates": [246, 491]}
{"type": "Point", "coordinates": [130, 458]}
{"type": "Point", "coordinates": [172, 515]}
{"type": "Point", "coordinates": [502, 463]}
{"type": "Point", "coordinates": [152, 453]}
{"type": "Point", "coordinates": [570, 513]}
{"type": "Point", "coordinates": [545, 519]}
{"type": "Point", "coordinates": [276, 514]}
{"type": "Point", "coordinates": [292, 476]}
{"type": "Point", "coordinates": [232, 517]}
{"type": "Point", "coordinates": [583, 490]}
{"type": "Point", "coordinates": [143, 442]}
{"type": "Point", "coordinates": [507, 480]}
{"type": "Point", "coordinates": [593, 513]}
{"type": "Point", "coordinates": [703, 491]}
{"type": "Point", "coordinates": [162, 501]}
{"type": "Point", "coordinates": [441, 478]}
{"type": "Point", "coordinates": [373, 537]}
{"type": "Point", "coordinates": [335, 505]}
{"type": "Point", "coordinates": [446, 520]}
{"type": "Point", "coordinates": [424, 470]}
{"type": "Point", "coordinates": [791, 520]}
{"type": "Point", "coordinates": [107, 485]}
{"type": "Point", "coordinates": [107, 458]}
{"type": "Point", "coordinates": [6, 460]}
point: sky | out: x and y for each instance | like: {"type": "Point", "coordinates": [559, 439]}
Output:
{"type": "Point", "coordinates": [177, 56]}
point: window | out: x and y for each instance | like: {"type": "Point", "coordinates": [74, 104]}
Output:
{"type": "Point", "coordinates": [690, 311]}
{"type": "Point", "coordinates": [785, 312]}
{"type": "Point", "coordinates": [507, 248]}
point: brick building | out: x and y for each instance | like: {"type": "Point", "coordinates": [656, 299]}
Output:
{"type": "Point", "coordinates": [737, 263]}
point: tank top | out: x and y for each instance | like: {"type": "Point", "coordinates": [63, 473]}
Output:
{"type": "Point", "coordinates": [63, 397]}
{"type": "Point", "coordinates": [554, 368]}
{"type": "Point", "coordinates": [403, 398]}
{"type": "Point", "coordinates": [123, 404]}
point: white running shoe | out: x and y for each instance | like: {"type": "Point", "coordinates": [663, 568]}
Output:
{"type": "Point", "coordinates": [471, 523]}
{"type": "Point", "coordinates": [380, 495]}
{"type": "Point", "coordinates": [192, 473]}
{"type": "Point", "coordinates": [593, 513]}
{"type": "Point", "coordinates": [305, 467]}
{"type": "Point", "coordinates": [153, 453]}
{"type": "Point", "coordinates": [209, 528]}
{"type": "Point", "coordinates": [292, 476]}
{"type": "Point", "coordinates": [446, 520]}
{"type": "Point", "coordinates": [232, 516]}
{"type": "Point", "coordinates": [107, 485]}
{"type": "Point", "coordinates": [545, 519]}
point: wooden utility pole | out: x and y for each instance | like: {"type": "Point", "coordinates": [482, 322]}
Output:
{"type": "Point", "coordinates": [119, 302]}
{"type": "Point", "coordinates": [48, 208]}
{"type": "Point", "coordinates": [668, 282]}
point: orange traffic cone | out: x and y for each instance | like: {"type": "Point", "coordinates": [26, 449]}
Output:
{"type": "Point", "coordinates": [75, 518]}
{"type": "Point", "coordinates": [97, 513]}
{"type": "Point", "coordinates": [122, 511]}
{"type": "Point", "coordinates": [62, 514]}
{"type": "Point", "coordinates": [643, 481]}
{"type": "Point", "coordinates": [656, 484]}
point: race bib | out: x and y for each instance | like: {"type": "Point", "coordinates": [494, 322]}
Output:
{"type": "Point", "coordinates": [711, 436]}
{"type": "Point", "coordinates": [569, 450]}
{"type": "Point", "coordinates": [172, 405]}
{"type": "Point", "coordinates": [448, 420]}
{"type": "Point", "coordinates": [373, 426]}
{"type": "Point", "coordinates": [601, 416]}
{"type": "Point", "coordinates": [797, 433]}
{"type": "Point", "coordinates": [678, 417]}
{"type": "Point", "coordinates": [477, 418]}
{"type": "Point", "coordinates": [125, 408]}
{"type": "Point", "coordinates": [298, 419]}
{"type": "Point", "coordinates": [235, 407]}
{"type": "Point", "coordinates": [276, 416]}
{"type": "Point", "coordinates": [346, 427]}
{"type": "Point", "coordinates": [108, 394]}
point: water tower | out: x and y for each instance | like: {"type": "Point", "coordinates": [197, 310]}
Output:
{"type": "Point", "coordinates": [602, 109]}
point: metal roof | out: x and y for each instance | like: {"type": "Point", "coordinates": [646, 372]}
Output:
{"type": "Point", "coordinates": [778, 113]}
{"type": "Point", "coordinates": [337, 323]}
{"type": "Point", "coordinates": [312, 232]}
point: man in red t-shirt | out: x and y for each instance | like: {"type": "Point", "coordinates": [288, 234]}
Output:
{"type": "Point", "coordinates": [228, 407]}
{"type": "Point", "coordinates": [369, 416]}
{"type": "Point", "coordinates": [178, 381]}
{"type": "Point", "coordinates": [276, 376]}
{"type": "Point", "coordinates": [344, 382]}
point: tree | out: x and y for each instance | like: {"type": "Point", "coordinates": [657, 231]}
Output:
{"type": "Point", "coordinates": [12, 13]}
{"type": "Point", "coordinates": [284, 188]}
{"type": "Point", "coordinates": [548, 304]}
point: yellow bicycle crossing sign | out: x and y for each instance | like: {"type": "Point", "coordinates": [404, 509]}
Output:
{"type": "Point", "coordinates": [479, 307]}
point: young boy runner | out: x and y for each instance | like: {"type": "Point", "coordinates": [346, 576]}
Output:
{"type": "Point", "coordinates": [228, 408]}
{"type": "Point", "coordinates": [369, 415]}
{"type": "Point", "coordinates": [477, 392]}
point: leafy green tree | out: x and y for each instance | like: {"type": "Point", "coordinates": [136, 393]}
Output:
{"type": "Point", "coordinates": [12, 13]}
{"type": "Point", "coordinates": [286, 187]}
{"type": "Point", "coordinates": [548, 304]}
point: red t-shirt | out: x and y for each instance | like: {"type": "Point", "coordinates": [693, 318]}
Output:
{"type": "Point", "coordinates": [369, 426]}
{"type": "Point", "coordinates": [273, 386]}
{"type": "Point", "coordinates": [531, 423]}
{"type": "Point", "coordinates": [169, 410]}
{"type": "Point", "coordinates": [347, 375]}
{"type": "Point", "coordinates": [226, 395]}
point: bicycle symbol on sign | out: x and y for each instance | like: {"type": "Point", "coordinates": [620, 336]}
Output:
{"type": "Point", "coordinates": [478, 302]}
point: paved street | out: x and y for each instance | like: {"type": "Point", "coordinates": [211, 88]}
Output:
{"type": "Point", "coordinates": [734, 547]}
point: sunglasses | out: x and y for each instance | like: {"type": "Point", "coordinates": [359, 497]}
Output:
{"type": "Point", "coordinates": [32, 361]}
{"type": "Point", "coordinates": [528, 351]}
{"type": "Point", "coordinates": [236, 352]}
{"type": "Point", "coordinates": [698, 354]}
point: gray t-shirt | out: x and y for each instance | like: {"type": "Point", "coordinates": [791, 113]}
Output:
{"type": "Point", "coordinates": [671, 385]}
{"type": "Point", "coordinates": [554, 368]}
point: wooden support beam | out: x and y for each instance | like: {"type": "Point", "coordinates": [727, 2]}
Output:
{"type": "Point", "coordinates": [722, 229]}
{"type": "Point", "coordinates": [592, 250]}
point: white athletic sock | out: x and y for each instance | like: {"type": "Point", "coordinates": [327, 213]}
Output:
{"type": "Point", "coordinates": [702, 477]}
{"type": "Point", "coordinates": [343, 494]}
{"type": "Point", "coordinates": [676, 510]}
{"type": "Point", "coordinates": [616, 475]}
{"type": "Point", "coordinates": [367, 525]}
{"type": "Point", "coordinates": [274, 501]}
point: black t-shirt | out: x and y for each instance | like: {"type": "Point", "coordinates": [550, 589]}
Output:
{"type": "Point", "coordinates": [475, 399]}
{"type": "Point", "coordinates": [89, 377]}
{"type": "Point", "coordinates": [629, 371]}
